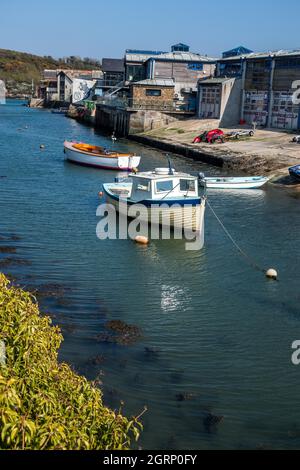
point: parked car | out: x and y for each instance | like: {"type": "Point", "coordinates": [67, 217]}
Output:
{"type": "Point", "coordinates": [240, 133]}
{"type": "Point", "coordinates": [209, 136]}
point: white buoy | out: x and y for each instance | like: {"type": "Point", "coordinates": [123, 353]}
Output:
{"type": "Point", "coordinates": [142, 240]}
{"type": "Point", "coordinates": [272, 274]}
{"type": "Point", "coordinates": [42, 146]}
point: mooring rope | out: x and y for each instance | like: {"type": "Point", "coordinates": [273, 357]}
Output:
{"type": "Point", "coordinates": [251, 261]}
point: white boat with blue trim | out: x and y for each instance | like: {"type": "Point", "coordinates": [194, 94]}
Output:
{"type": "Point", "coordinates": [220, 182]}
{"type": "Point", "coordinates": [167, 197]}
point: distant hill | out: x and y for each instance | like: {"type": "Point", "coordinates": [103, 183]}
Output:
{"type": "Point", "coordinates": [18, 69]}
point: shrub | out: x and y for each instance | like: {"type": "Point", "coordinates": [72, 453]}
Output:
{"type": "Point", "coordinates": [43, 403]}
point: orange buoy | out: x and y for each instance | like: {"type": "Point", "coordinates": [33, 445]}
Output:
{"type": "Point", "coordinates": [100, 194]}
{"type": "Point", "coordinates": [142, 240]}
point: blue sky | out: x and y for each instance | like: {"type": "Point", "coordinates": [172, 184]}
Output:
{"type": "Point", "coordinates": [98, 28]}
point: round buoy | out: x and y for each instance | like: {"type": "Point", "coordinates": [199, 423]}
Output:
{"type": "Point", "coordinates": [272, 274]}
{"type": "Point", "coordinates": [42, 146]}
{"type": "Point", "coordinates": [142, 240]}
{"type": "Point", "coordinates": [100, 194]}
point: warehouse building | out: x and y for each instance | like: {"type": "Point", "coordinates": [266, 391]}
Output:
{"type": "Point", "coordinates": [264, 90]}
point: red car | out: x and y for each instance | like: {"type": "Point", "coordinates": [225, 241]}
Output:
{"type": "Point", "coordinates": [210, 136]}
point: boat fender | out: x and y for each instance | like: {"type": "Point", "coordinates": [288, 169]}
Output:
{"type": "Point", "coordinates": [272, 274]}
{"type": "Point", "coordinates": [141, 240]}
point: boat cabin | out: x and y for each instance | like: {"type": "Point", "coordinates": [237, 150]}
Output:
{"type": "Point", "coordinates": [159, 184]}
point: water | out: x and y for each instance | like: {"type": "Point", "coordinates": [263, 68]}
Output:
{"type": "Point", "coordinates": [220, 332]}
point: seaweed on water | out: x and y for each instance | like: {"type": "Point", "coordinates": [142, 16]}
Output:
{"type": "Point", "coordinates": [120, 332]}
{"type": "Point", "coordinates": [14, 262]}
{"type": "Point", "coordinates": [15, 238]}
{"type": "Point", "coordinates": [186, 396]}
{"type": "Point", "coordinates": [8, 249]}
{"type": "Point", "coordinates": [48, 290]}
{"type": "Point", "coordinates": [211, 422]}
{"type": "Point", "coordinates": [96, 360]}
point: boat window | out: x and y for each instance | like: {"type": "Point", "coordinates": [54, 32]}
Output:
{"type": "Point", "coordinates": [164, 186]}
{"type": "Point", "coordinates": [143, 186]}
{"type": "Point", "coordinates": [187, 185]}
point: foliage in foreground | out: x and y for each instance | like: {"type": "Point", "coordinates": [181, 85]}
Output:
{"type": "Point", "coordinates": [43, 403]}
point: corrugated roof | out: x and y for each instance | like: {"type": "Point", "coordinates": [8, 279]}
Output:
{"type": "Point", "coordinates": [184, 57]}
{"type": "Point", "coordinates": [139, 57]}
{"type": "Point", "coordinates": [113, 65]}
{"type": "Point", "coordinates": [214, 81]}
{"type": "Point", "coordinates": [156, 82]}
{"type": "Point", "coordinates": [264, 55]}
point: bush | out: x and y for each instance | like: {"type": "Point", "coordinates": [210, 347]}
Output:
{"type": "Point", "coordinates": [43, 403]}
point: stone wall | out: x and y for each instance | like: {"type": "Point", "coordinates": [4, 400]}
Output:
{"type": "Point", "coordinates": [125, 122]}
{"type": "Point", "coordinates": [139, 96]}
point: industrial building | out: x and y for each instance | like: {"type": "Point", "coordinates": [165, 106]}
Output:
{"type": "Point", "coordinates": [263, 90]}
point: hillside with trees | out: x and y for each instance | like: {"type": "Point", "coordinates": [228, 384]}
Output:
{"type": "Point", "coordinates": [18, 69]}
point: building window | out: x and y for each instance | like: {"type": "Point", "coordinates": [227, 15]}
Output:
{"type": "Point", "coordinates": [150, 92]}
{"type": "Point", "coordinates": [195, 66]}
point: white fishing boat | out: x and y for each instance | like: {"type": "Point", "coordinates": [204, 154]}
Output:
{"type": "Point", "coordinates": [220, 182]}
{"type": "Point", "coordinates": [166, 197]}
{"type": "Point", "coordinates": [99, 157]}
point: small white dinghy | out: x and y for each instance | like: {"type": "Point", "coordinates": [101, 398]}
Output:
{"type": "Point", "coordinates": [220, 182]}
{"type": "Point", "coordinates": [99, 157]}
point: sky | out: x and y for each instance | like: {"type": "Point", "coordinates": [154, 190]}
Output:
{"type": "Point", "coordinates": [97, 28]}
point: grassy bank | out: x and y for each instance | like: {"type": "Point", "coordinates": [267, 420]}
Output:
{"type": "Point", "coordinates": [43, 403]}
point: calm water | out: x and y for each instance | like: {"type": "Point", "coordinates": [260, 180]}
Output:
{"type": "Point", "coordinates": [220, 331]}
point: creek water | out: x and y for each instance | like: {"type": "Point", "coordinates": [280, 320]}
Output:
{"type": "Point", "coordinates": [216, 335]}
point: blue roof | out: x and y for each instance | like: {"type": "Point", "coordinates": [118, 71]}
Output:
{"type": "Point", "coordinates": [143, 52]}
{"type": "Point", "coordinates": [240, 50]}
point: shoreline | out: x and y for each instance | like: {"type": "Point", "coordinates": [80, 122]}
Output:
{"type": "Point", "coordinates": [268, 153]}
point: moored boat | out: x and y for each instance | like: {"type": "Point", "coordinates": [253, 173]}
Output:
{"type": "Point", "coordinates": [295, 172]}
{"type": "Point", "coordinates": [167, 198]}
{"type": "Point", "coordinates": [99, 157]}
{"type": "Point", "coordinates": [220, 182]}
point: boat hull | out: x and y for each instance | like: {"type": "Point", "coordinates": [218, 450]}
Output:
{"type": "Point", "coordinates": [295, 173]}
{"type": "Point", "coordinates": [167, 213]}
{"type": "Point", "coordinates": [233, 183]}
{"type": "Point", "coordinates": [120, 163]}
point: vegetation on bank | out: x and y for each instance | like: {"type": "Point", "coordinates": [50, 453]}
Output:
{"type": "Point", "coordinates": [43, 403]}
{"type": "Point", "coordinates": [20, 68]}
